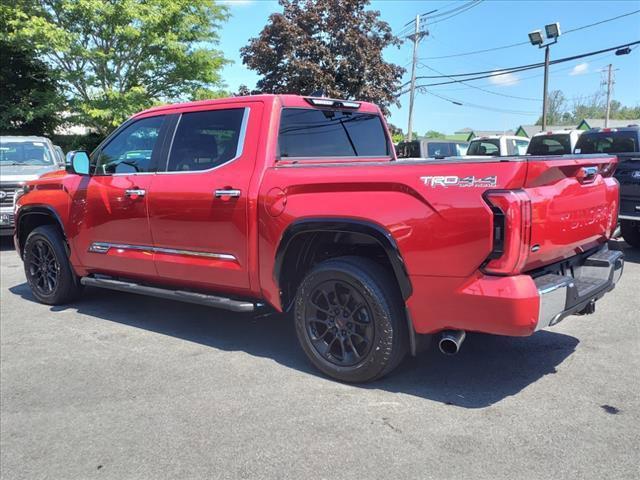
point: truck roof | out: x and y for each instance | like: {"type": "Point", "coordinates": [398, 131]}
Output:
{"type": "Point", "coordinates": [286, 100]}
{"type": "Point", "coordinates": [23, 138]}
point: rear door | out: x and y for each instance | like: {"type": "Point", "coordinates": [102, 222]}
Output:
{"type": "Point", "coordinates": [198, 205]}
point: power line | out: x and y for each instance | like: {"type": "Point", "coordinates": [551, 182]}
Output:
{"type": "Point", "coordinates": [462, 10]}
{"type": "Point", "coordinates": [516, 68]}
{"type": "Point", "coordinates": [483, 107]}
{"type": "Point", "coordinates": [485, 90]}
{"type": "Point", "coordinates": [499, 72]}
{"type": "Point", "coordinates": [408, 27]}
{"type": "Point", "coordinates": [526, 43]}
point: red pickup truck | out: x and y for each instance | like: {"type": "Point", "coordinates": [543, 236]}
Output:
{"type": "Point", "coordinates": [294, 203]}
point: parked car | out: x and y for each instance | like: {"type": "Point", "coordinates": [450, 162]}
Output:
{"type": "Point", "coordinates": [21, 159]}
{"type": "Point", "coordinates": [625, 144]}
{"type": "Point", "coordinates": [431, 148]}
{"type": "Point", "coordinates": [556, 142]}
{"type": "Point", "coordinates": [299, 204]}
{"type": "Point", "coordinates": [59, 154]}
{"type": "Point", "coordinates": [498, 146]}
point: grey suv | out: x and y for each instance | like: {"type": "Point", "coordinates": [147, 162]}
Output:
{"type": "Point", "coordinates": [22, 159]}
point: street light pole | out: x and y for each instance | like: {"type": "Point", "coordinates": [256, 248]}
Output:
{"type": "Point", "coordinates": [546, 86]}
{"type": "Point", "coordinates": [552, 32]}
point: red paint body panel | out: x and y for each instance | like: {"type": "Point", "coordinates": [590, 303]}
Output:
{"type": "Point", "coordinates": [444, 231]}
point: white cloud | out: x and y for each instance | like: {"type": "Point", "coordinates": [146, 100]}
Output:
{"type": "Point", "coordinates": [504, 79]}
{"type": "Point", "coordinates": [580, 69]}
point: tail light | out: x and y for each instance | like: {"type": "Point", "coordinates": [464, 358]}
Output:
{"type": "Point", "coordinates": [511, 231]}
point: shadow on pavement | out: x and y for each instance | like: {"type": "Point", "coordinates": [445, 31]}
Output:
{"type": "Point", "coordinates": [6, 243]}
{"type": "Point", "coordinates": [487, 370]}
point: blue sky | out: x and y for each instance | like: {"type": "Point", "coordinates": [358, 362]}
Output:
{"type": "Point", "coordinates": [492, 23]}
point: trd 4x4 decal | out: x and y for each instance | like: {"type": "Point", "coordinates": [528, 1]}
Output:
{"type": "Point", "coordinates": [454, 181]}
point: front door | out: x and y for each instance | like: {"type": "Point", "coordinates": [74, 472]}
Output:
{"type": "Point", "coordinates": [110, 212]}
{"type": "Point", "coordinates": [198, 207]}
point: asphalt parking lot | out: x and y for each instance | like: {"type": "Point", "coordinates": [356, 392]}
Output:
{"type": "Point", "coordinates": [127, 387]}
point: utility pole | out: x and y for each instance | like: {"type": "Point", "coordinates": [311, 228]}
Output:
{"type": "Point", "coordinates": [412, 92]}
{"type": "Point", "coordinates": [545, 98]}
{"type": "Point", "coordinates": [609, 85]}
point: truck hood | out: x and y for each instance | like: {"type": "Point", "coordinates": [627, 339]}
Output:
{"type": "Point", "coordinates": [23, 173]}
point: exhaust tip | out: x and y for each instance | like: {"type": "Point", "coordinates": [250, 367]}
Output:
{"type": "Point", "coordinates": [451, 341]}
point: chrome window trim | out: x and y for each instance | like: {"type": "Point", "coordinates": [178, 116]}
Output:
{"type": "Point", "coordinates": [239, 147]}
{"type": "Point", "coordinates": [104, 247]}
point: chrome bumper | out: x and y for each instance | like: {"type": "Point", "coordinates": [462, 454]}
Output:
{"type": "Point", "coordinates": [563, 295]}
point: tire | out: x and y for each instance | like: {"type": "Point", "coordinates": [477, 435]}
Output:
{"type": "Point", "coordinates": [631, 232]}
{"type": "Point", "coordinates": [350, 320]}
{"type": "Point", "coordinates": [47, 268]}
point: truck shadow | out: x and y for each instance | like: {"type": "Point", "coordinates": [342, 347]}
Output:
{"type": "Point", "coordinates": [487, 370]}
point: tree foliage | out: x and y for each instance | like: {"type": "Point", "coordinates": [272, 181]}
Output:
{"type": "Point", "coordinates": [434, 134]}
{"type": "Point", "coordinates": [118, 57]}
{"type": "Point", "coordinates": [397, 135]}
{"type": "Point", "coordinates": [30, 99]}
{"type": "Point", "coordinates": [325, 45]}
{"type": "Point", "coordinates": [562, 112]}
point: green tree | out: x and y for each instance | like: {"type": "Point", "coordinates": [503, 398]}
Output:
{"type": "Point", "coordinates": [591, 106]}
{"type": "Point", "coordinates": [118, 57]}
{"type": "Point", "coordinates": [397, 135]}
{"type": "Point", "coordinates": [434, 134]}
{"type": "Point", "coordinates": [329, 46]}
{"type": "Point", "coordinates": [30, 99]}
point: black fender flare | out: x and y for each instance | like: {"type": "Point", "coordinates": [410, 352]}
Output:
{"type": "Point", "coordinates": [346, 225]}
{"type": "Point", "coordinates": [35, 209]}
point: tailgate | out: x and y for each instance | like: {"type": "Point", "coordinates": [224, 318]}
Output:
{"type": "Point", "coordinates": [574, 204]}
{"type": "Point", "coordinates": [628, 175]}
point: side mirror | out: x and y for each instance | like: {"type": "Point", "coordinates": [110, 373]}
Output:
{"type": "Point", "coordinates": [78, 162]}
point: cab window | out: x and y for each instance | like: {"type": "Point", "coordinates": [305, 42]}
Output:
{"type": "Point", "coordinates": [131, 150]}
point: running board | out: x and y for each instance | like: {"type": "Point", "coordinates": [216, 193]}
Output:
{"type": "Point", "coordinates": [180, 295]}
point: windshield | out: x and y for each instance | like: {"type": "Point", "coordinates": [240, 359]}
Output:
{"type": "Point", "coordinates": [487, 147]}
{"type": "Point", "coordinates": [558, 144]}
{"type": "Point", "coordinates": [25, 153]}
{"type": "Point", "coordinates": [607, 142]}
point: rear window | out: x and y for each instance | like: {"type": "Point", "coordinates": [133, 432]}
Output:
{"type": "Point", "coordinates": [607, 142]}
{"type": "Point", "coordinates": [408, 149]}
{"type": "Point", "coordinates": [439, 149]}
{"type": "Point", "coordinates": [559, 144]}
{"type": "Point", "coordinates": [489, 147]}
{"type": "Point", "coordinates": [308, 132]}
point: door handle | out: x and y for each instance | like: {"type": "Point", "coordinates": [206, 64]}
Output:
{"type": "Point", "coordinates": [135, 193]}
{"type": "Point", "coordinates": [227, 193]}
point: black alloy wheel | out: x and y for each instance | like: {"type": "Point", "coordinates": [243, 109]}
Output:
{"type": "Point", "coordinates": [349, 318]}
{"type": "Point", "coordinates": [339, 322]}
{"type": "Point", "coordinates": [47, 267]}
{"type": "Point", "coordinates": [43, 267]}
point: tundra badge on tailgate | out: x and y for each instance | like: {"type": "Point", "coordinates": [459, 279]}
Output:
{"type": "Point", "coordinates": [454, 181]}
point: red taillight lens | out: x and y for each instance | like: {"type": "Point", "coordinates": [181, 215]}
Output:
{"type": "Point", "coordinates": [511, 231]}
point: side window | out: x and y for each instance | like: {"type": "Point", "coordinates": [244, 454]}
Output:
{"type": "Point", "coordinates": [204, 140]}
{"type": "Point", "coordinates": [307, 132]}
{"type": "Point", "coordinates": [130, 151]}
{"type": "Point", "coordinates": [521, 147]}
